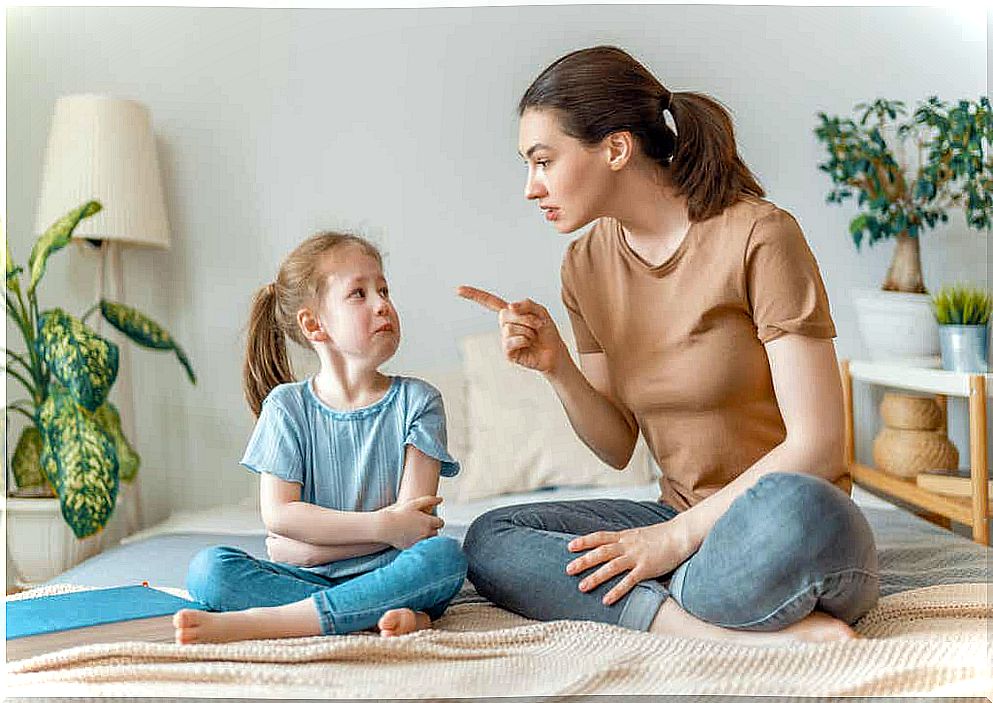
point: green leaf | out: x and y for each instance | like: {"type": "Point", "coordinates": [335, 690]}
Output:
{"type": "Point", "coordinates": [56, 237]}
{"type": "Point", "coordinates": [85, 462]}
{"type": "Point", "coordinates": [144, 331]}
{"type": "Point", "coordinates": [128, 460]}
{"type": "Point", "coordinates": [12, 270]}
{"type": "Point", "coordinates": [81, 360]}
{"type": "Point", "coordinates": [26, 463]}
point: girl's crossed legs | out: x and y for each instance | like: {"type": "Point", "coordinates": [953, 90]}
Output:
{"type": "Point", "coordinates": [260, 599]}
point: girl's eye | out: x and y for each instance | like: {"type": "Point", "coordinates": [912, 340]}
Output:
{"type": "Point", "coordinates": [358, 292]}
{"type": "Point", "coordinates": [385, 292]}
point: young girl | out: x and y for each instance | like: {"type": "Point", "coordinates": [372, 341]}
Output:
{"type": "Point", "coordinates": [349, 462]}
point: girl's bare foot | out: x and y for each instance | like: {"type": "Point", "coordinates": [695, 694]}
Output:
{"type": "Point", "coordinates": [816, 627]}
{"type": "Point", "coordinates": [295, 620]}
{"type": "Point", "coordinates": [402, 621]}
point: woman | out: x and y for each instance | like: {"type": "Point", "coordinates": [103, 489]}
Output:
{"type": "Point", "coordinates": [701, 322]}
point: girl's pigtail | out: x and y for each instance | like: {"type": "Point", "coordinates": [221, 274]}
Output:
{"type": "Point", "coordinates": [266, 362]}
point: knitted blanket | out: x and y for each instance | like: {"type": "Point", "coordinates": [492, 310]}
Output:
{"type": "Point", "coordinates": [933, 641]}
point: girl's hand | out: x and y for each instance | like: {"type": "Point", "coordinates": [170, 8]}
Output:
{"type": "Point", "coordinates": [407, 522]}
{"type": "Point", "coordinates": [290, 551]}
{"type": "Point", "coordinates": [529, 335]}
{"type": "Point", "coordinates": [644, 552]}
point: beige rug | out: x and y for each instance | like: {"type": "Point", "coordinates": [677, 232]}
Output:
{"type": "Point", "coordinates": [932, 641]}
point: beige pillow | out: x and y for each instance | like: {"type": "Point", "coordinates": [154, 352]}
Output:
{"type": "Point", "coordinates": [519, 437]}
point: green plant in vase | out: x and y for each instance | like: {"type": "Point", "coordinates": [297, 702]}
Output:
{"type": "Point", "coordinates": [963, 315]}
{"type": "Point", "coordinates": [74, 443]}
{"type": "Point", "coordinates": [950, 167]}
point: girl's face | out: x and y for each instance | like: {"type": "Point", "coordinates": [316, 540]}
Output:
{"type": "Point", "coordinates": [356, 312]}
{"type": "Point", "coordinates": [570, 180]}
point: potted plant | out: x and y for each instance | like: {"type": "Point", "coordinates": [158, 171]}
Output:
{"type": "Point", "coordinates": [73, 445]}
{"type": "Point", "coordinates": [963, 315]}
{"type": "Point", "coordinates": [903, 192]}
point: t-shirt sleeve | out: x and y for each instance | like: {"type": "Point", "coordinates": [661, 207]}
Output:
{"type": "Point", "coordinates": [275, 447]}
{"type": "Point", "coordinates": [586, 343]}
{"type": "Point", "coordinates": [785, 291]}
{"type": "Point", "coordinates": [428, 433]}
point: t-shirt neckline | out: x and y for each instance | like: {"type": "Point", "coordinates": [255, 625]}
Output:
{"type": "Point", "coordinates": [664, 266]}
{"type": "Point", "coordinates": [355, 413]}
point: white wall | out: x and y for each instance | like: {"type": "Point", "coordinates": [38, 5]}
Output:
{"type": "Point", "coordinates": [400, 124]}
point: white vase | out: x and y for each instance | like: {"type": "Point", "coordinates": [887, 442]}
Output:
{"type": "Point", "coordinates": [897, 327]}
{"type": "Point", "coordinates": [40, 543]}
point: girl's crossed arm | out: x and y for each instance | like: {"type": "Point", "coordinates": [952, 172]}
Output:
{"type": "Point", "coordinates": [305, 534]}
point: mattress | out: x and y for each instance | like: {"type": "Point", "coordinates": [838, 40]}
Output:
{"type": "Point", "coordinates": [912, 552]}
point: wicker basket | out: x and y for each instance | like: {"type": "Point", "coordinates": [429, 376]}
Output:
{"type": "Point", "coordinates": [906, 453]}
{"type": "Point", "coordinates": [910, 412]}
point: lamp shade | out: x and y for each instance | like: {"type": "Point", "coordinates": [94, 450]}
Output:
{"type": "Point", "coordinates": [103, 148]}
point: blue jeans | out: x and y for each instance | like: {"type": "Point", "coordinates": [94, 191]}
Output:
{"type": "Point", "coordinates": [424, 577]}
{"type": "Point", "coordinates": [789, 544]}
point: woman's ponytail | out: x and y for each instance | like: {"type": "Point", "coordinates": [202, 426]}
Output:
{"type": "Point", "coordinates": [705, 166]}
{"type": "Point", "coordinates": [266, 362]}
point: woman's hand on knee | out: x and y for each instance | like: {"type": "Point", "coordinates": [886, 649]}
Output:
{"type": "Point", "coordinates": [643, 552]}
{"type": "Point", "coordinates": [527, 331]}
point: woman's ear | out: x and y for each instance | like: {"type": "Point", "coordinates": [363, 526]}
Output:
{"type": "Point", "coordinates": [619, 148]}
{"type": "Point", "coordinates": [311, 326]}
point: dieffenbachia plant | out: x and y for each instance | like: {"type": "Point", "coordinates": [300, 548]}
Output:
{"type": "Point", "coordinates": [950, 165]}
{"type": "Point", "coordinates": [74, 442]}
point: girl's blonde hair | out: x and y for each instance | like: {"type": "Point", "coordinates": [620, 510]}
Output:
{"type": "Point", "coordinates": [273, 317]}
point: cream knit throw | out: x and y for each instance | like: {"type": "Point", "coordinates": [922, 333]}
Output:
{"type": "Point", "coordinates": [933, 640]}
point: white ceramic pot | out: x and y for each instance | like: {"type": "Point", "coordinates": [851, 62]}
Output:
{"type": "Point", "coordinates": [40, 543]}
{"type": "Point", "coordinates": [897, 326]}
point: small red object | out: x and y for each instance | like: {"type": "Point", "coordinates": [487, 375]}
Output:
{"type": "Point", "coordinates": [144, 583]}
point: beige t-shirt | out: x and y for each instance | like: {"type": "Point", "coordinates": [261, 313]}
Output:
{"type": "Point", "coordinates": [684, 339]}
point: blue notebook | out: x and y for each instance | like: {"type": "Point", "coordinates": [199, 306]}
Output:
{"type": "Point", "coordinates": [36, 625]}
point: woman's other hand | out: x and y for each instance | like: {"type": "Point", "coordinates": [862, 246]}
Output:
{"type": "Point", "coordinates": [527, 332]}
{"type": "Point", "coordinates": [643, 552]}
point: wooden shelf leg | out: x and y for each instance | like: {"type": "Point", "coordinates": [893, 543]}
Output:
{"type": "Point", "coordinates": [846, 387]}
{"type": "Point", "coordinates": [977, 454]}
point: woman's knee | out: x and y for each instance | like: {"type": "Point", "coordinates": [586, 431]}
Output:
{"type": "Point", "coordinates": [209, 571]}
{"type": "Point", "coordinates": [808, 544]}
{"type": "Point", "coordinates": [810, 521]}
{"type": "Point", "coordinates": [484, 528]}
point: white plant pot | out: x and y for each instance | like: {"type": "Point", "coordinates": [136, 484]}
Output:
{"type": "Point", "coordinates": [39, 541]}
{"type": "Point", "coordinates": [898, 327]}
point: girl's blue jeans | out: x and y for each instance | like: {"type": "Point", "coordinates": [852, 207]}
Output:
{"type": "Point", "coordinates": [424, 577]}
{"type": "Point", "coordinates": [788, 545]}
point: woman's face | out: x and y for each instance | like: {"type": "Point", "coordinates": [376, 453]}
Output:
{"type": "Point", "coordinates": [569, 180]}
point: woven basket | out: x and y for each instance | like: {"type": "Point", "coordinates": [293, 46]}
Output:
{"type": "Point", "coordinates": [906, 453]}
{"type": "Point", "coordinates": [910, 412]}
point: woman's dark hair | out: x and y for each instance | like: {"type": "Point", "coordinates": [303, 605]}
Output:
{"type": "Point", "coordinates": [602, 90]}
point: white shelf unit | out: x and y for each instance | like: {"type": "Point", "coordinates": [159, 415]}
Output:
{"type": "Point", "coordinates": [973, 511]}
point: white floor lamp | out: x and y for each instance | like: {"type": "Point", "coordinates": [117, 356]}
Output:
{"type": "Point", "coordinates": [103, 148]}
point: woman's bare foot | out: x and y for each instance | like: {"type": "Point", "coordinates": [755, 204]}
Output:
{"type": "Point", "coordinates": [403, 621]}
{"type": "Point", "coordinates": [816, 627]}
{"type": "Point", "coordinates": [295, 620]}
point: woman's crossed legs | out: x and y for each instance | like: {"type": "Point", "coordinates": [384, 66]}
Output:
{"type": "Point", "coordinates": [793, 557]}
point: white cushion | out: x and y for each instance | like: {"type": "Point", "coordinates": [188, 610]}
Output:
{"type": "Point", "coordinates": [519, 437]}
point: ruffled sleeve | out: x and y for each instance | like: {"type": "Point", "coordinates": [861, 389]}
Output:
{"type": "Point", "coordinates": [426, 429]}
{"type": "Point", "coordinates": [275, 447]}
